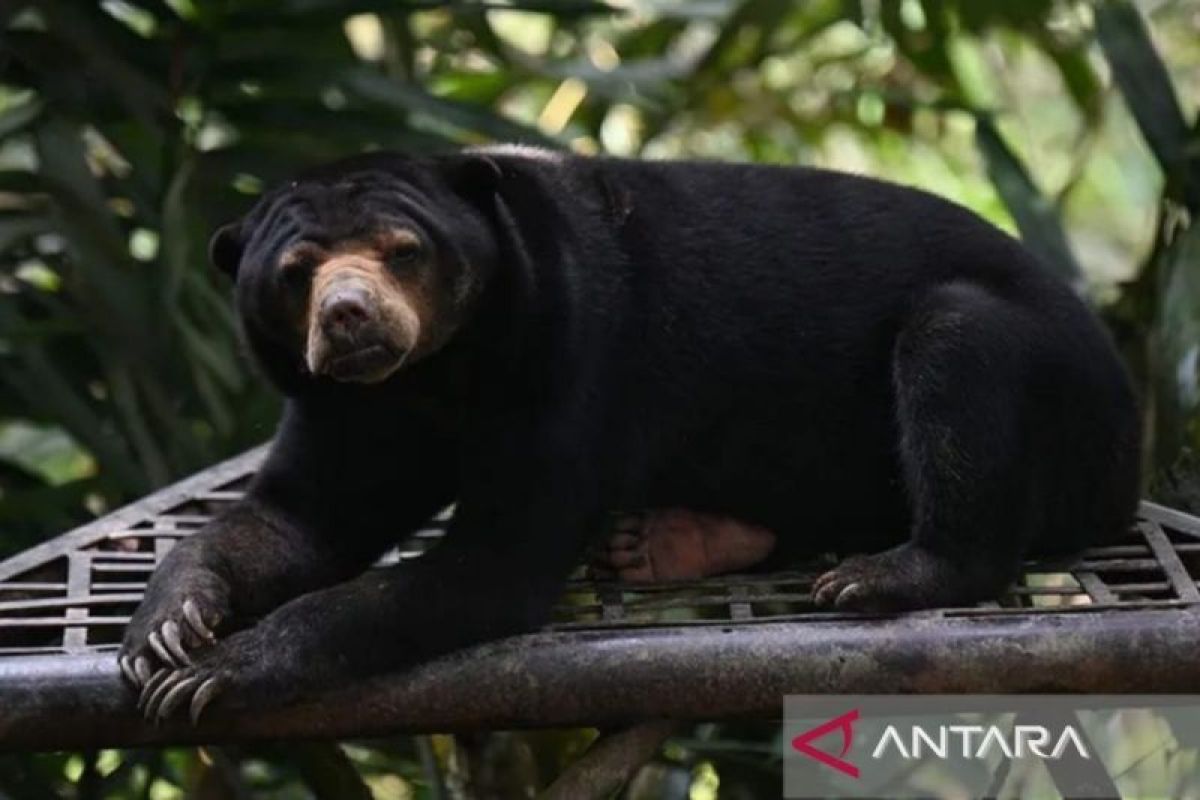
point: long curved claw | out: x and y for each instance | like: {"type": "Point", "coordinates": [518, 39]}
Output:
{"type": "Point", "coordinates": [151, 686]}
{"type": "Point", "coordinates": [126, 664]}
{"type": "Point", "coordinates": [203, 696]}
{"type": "Point", "coordinates": [154, 701]}
{"type": "Point", "coordinates": [173, 642]}
{"type": "Point", "coordinates": [823, 580]}
{"type": "Point", "coordinates": [195, 620]}
{"type": "Point", "coordinates": [848, 594]}
{"type": "Point", "coordinates": [160, 649]}
{"type": "Point", "coordinates": [141, 666]}
{"type": "Point", "coordinates": [173, 697]}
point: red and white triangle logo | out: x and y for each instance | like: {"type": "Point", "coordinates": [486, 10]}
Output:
{"type": "Point", "coordinates": [844, 723]}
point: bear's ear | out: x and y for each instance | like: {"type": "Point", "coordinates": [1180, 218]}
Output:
{"type": "Point", "coordinates": [225, 248]}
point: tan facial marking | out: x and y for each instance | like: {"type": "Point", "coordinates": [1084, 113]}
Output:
{"type": "Point", "coordinates": [294, 256]}
{"type": "Point", "coordinates": [398, 239]}
{"type": "Point", "coordinates": [401, 301]}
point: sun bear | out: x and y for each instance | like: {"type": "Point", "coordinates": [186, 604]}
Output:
{"type": "Point", "coordinates": [826, 360]}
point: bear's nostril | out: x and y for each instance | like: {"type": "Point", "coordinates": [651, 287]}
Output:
{"type": "Point", "coordinates": [345, 311]}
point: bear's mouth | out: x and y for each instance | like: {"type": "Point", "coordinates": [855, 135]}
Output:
{"type": "Point", "coordinates": [369, 364]}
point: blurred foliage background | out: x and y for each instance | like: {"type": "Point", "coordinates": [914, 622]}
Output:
{"type": "Point", "coordinates": [130, 128]}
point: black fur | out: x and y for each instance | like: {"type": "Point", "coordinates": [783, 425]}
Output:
{"type": "Point", "coordinates": [855, 365]}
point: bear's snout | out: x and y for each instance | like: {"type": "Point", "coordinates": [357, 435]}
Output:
{"type": "Point", "coordinates": [345, 313]}
{"type": "Point", "coordinates": [362, 327]}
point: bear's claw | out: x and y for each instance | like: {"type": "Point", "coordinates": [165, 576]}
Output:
{"type": "Point", "coordinates": [904, 578]}
{"type": "Point", "coordinates": [171, 689]}
{"type": "Point", "coordinates": [126, 664]}
{"type": "Point", "coordinates": [834, 589]}
{"type": "Point", "coordinates": [156, 644]}
{"type": "Point", "coordinates": [173, 642]}
{"type": "Point", "coordinates": [169, 644]}
{"type": "Point", "coordinates": [191, 613]}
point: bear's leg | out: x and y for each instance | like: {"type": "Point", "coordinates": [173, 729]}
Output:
{"type": "Point", "coordinates": [498, 572]}
{"type": "Point", "coordinates": [677, 544]}
{"type": "Point", "coordinates": [960, 374]}
{"type": "Point", "coordinates": [310, 519]}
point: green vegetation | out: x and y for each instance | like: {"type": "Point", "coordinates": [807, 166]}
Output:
{"type": "Point", "coordinates": [130, 128]}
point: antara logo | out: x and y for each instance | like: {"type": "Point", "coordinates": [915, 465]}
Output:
{"type": "Point", "coordinates": [979, 741]}
{"type": "Point", "coordinates": [941, 741]}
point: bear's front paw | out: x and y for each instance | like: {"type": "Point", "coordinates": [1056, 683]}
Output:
{"type": "Point", "coordinates": [172, 623]}
{"type": "Point", "coordinates": [239, 672]}
{"type": "Point", "coordinates": [286, 654]}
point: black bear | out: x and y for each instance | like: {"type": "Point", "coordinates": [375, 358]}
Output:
{"type": "Point", "coordinates": [545, 339]}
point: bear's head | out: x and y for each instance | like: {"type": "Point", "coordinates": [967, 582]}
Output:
{"type": "Point", "coordinates": [354, 270]}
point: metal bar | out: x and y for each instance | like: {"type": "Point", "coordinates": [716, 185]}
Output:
{"type": "Point", "coordinates": [163, 546]}
{"type": "Point", "coordinates": [160, 501]}
{"type": "Point", "coordinates": [58, 622]}
{"type": "Point", "coordinates": [1175, 520]}
{"type": "Point", "coordinates": [79, 578]}
{"type": "Point", "coordinates": [1183, 583]}
{"type": "Point", "coordinates": [709, 601]}
{"type": "Point", "coordinates": [151, 532]}
{"type": "Point", "coordinates": [1096, 589]}
{"type": "Point", "coordinates": [655, 622]}
{"type": "Point", "coordinates": [1090, 608]}
{"type": "Point", "coordinates": [739, 602]}
{"type": "Point", "coordinates": [1025, 591]}
{"type": "Point", "coordinates": [1119, 564]}
{"type": "Point", "coordinates": [773, 578]}
{"type": "Point", "coordinates": [580, 679]}
{"type": "Point", "coordinates": [130, 567]}
{"type": "Point", "coordinates": [612, 602]}
{"type": "Point", "coordinates": [1135, 588]}
{"type": "Point", "coordinates": [24, 651]}
{"type": "Point", "coordinates": [76, 600]}
{"type": "Point", "coordinates": [1116, 550]}
{"type": "Point", "coordinates": [32, 586]}
{"type": "Point", "coordinates": [117, 555]}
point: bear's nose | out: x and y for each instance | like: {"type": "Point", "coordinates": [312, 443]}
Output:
{"type": "Point", "coordinates": [344, 312]}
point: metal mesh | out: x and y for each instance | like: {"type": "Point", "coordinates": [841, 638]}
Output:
{"type": "Point", "coordinates": [75, 593]}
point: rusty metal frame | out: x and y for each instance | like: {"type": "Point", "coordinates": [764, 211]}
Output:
{"type": "Point", "coordinates": [1120, 619]}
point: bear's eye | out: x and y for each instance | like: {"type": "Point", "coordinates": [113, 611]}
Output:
{"type": "Point", "coordinates": [402, 248]}
{"type": "Point", "coordinates": [297, 264]}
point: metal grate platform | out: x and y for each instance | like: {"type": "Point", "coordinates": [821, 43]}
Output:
{"type": "Point", "coordinates": [1121, 618]}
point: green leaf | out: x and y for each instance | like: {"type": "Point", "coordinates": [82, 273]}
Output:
{"type": "Point", "coordinates": [294, 14]}
{"type": "Point", "coordinates": [1146, 86]}
{"type": "Point", "coordinates": [1175, 343]}
{"type": "Point", "coordinates": [20, 117]}
{"type": "Point", "coordinates": [46, 389]}
{"type": "Point", "coordinates": [1078, 75]}
{"type": "Point", "coordinates": [205, 352]}
{"type": "Point", "coordinates": [1036, 217]}
{"type": "Point", "coordinates": [101, 45]}
{"type": "Point", "coordinates": [378, 88]}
